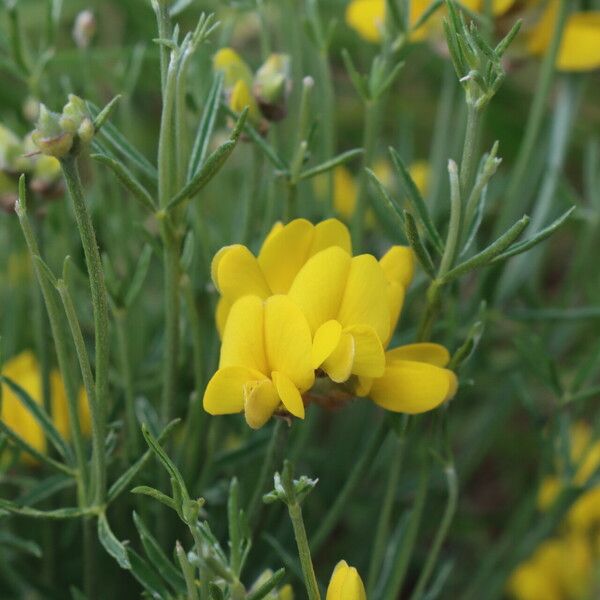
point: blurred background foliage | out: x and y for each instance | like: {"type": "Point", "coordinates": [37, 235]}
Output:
{"type": "Point", "coordinates": [534, 373]}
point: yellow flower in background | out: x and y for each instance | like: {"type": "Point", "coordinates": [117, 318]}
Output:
{"type": "Point", "coordinates": [580, 46]}
{"type": "Point", "coordinates": [367, 17]}
{"type": "Point", "coordinates": [24, 370]}
{"type": "Point", "coordinates": [345, 584]}
{"type": "Point", "coordinates": [560, 569]}
{"type": "Point", "coordinates": [236, 272]}
{"type": "Point", "coordinates": [265, 361]}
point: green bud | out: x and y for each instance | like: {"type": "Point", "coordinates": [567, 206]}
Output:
{"type": "Point", "coordinates": [272, 85]}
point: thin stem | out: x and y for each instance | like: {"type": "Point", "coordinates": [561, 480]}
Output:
{"type": "Point", "coordinates": [383, 524]}
{"type": "Point", "coordinates": [372, 108]}
{"type": "Point", "coordinates": [163, 20]}
{"type": "Point", "coordinates": [99, 297]}
{"type": "Point", "coordinates": [188, 572]}
{"type": "Point", "coordinates": [61, 344]}
{"type": "Point", "coordinates": [90, 560]}
{"type": "Point", "coordinates": [356, 475]}
{"type": "Point", "coordinates": [310, 580]}
{"type": "Point", "coordinates": [266, 469]}
{"type": "Point", "coordinates": [454, 226]}
{"type": "Point", "coordinates": [97, 416]}
{"type": "Point", "coordinates": [469, 155]}
{"type": "Point", "coordinates": [132, 429]}
{"type": "Point", "coordinates": [408, 540]}
{"type": "Point", "coordinates": [512, 196]}
{"type": "Point", "coordinates": [452, 483]}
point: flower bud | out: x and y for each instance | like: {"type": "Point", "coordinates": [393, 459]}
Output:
{"type": "Point", "coordinates": [345, 584]}
{"type": "Point", "coordinates": [241, 97]}
{"type": "Point", "coordinates": [84, 28]}
{"type": "Point", "coordinates": [56, 134]}
{"type": "Point", "coordinates": [233, 67]}
{"type": "Point", "coordinates": [272, 85]}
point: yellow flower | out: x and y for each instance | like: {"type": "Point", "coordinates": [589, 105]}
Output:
{"type": "Point", "coordinates": [265, 361]}
{"type": "Point", "coordinates": [579, 49]}
{"type": "Point", "coordinates": [337, 317]}
{"type": "Point", "coordinates": [367, 17]}
{"type": "Point", "coordinates": [345, 584]}
{"type": "Point", "coordinates": [23, 369]}
{"type": "Point", "coordinates": [236, 272]}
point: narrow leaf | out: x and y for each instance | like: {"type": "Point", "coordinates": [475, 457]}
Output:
{"type": "Point", "coordinates": [268, 586]}
{"type": "Point", "coordinates": [111, 544]}
{"type": "Point", "coordinates": [340, 159]}
{"type": "Point", "coordinates": [101, 118]}
{"type": "Point", "coordinates": [139, 192]}
{"type": "Point", "coordinates": [146, 490]}
{"type": "Point", "coordinates": [412, 235]}
{"type": "Point", "coordinates": [139, 276]}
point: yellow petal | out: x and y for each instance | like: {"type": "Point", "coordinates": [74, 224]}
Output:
{"type": "Point", "coordinates": [338, 364]}
{"type": "Point", "coordinates": [434, 354]}
{"type": "Point", "coordinates": [367, 17]}
{"type": "Point", "coordinates": [284, 253]}
{"type": "Point", "coordinates": [224, 394]}
{"type": "Point", "coordinates": [221, 314]}
{"type": "Point", "coordinates": [365, 300]}
{"type": "Point", "coordinates": [277, 227]}
{"type": "Point", "coordinates": [413, 387]}
{"type": "Point", "coordinates": [289, 394]}
{"type": "Point", "coordinates": [236, 273]}
{"type": "Point", "coordinates": [395, 294]}
{"type": "Point", "coordinates": [260, 402]}
{"type": "Point", "coordinates": [398, 265]}
{"type": "Point", "coordinates": [326, 340]}
{"type": "Point", "coordinates": [319, 286]}
{"type": "Point", "coordinates": [369, 357]}
{"type": "Point", "coordinates": [345, 584]}
{"type": "Point", "coordinates": [288, 342]}
{"type": "Point", "coordinates": [580, 47]}
{"type": "Point", "coordinates": [233, 67]}
{"type": "Point", "coordinates": [363, 386]}
{"type": "Point", "coordinates": [244, 338]}
{"type": "Point", "coordinates": [328, 233]}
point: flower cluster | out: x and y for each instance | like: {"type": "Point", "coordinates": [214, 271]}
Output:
{"type": "Point", "coordinates": [307, 320]}
{"type": "Point", "coordinates": [24, 370]}
{"type": "Point", "coordinates": [562, 567]}
{"type": "Point", "coordinates": [579, 50]}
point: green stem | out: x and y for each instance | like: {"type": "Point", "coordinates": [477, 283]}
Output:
{"type": "Point", "coordinates": [132, 430]}
{"type": "Point", "coordinates": [96, 410]}
{"type": "Point", "coordinates": [424, 577]}
{"type": "Point", "coordinates": [356, 475]}
{"type": "Point", "coordinates": [90, 560]}
{"type": "Point", "coordinates": [61, 344]}
{"type": "Point", "coordinates": [357, 227]}
{"type": "Point", "coordinates": [266, 469]}
{"type": "Point", "coordinates": [513, 198]}
{"type": "Point", "coordinates": [454, 226]}
{"type": "Point", "coordinates": [405, 551]}
{"type": "Point", "coordinates": [163, 20]}
{"type": "Point", "coordinates": [99, 297]}
{"type": "Point", "coordinates": [310, 580]}
{"type": "Point", "coordinates": [469, 154]}
{"type": "Point", "coordinates": [383, 524]}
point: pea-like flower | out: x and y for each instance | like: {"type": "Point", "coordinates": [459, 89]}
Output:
{"type": "Point", "coordinates": [345, 584]}
{"type": "Point", "coordinates": [265, 361]}
{"type": "Point", "coordinates": [236, 272]}
{"type": "Point", "coordinates": [24, 370]}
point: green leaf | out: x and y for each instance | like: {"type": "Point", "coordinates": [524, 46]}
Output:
{"type": "Point", "coordinates": [212, 165]}
{"type": "Point", "coordinates": [119, 143]}
{"type": "Point", "coordinates": [167, 463]}
{"type": "Point", "coordinates": [158, 558]}
{"type": "Point", "coordinates": [540, 236]}
{"type": "Point", "coordinates": [111, 544]}
{"type": "Point", "coordinates": [359, 81]}
{"type": "Point", "coordinates": [139, 192]}
{"type": "Point", "coordinates": [58, 514]}
{"type": "Point", "coordinates": [206, 125]}
{"type": "Point", "coordinates": [101, 118]}
{"type": "Point", "coordinates": [485, 256]}
{"type": "Point", "coordinates": [414, 240]}
{"type": "Point", "coordinates": [268, 586]}
{"type": "Point", "coordinates": [508, 39]}
{"type": "Point", "coordinates": [156, 494]}
{"type": "Point", "coordinates": [40, 415]}
{"type": "Point", "coordinates": [340, 159]}
{"type": "Point", "coordinates": [416, 201]}
{"type": "Point", "coordinates": [125, 479]}
{"type": "Point", "coordinates": [139, 276]}
{"type": "Point", "coordinates": [10, 540]}
{"type": "Point", "coordinates": [147, 577]}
